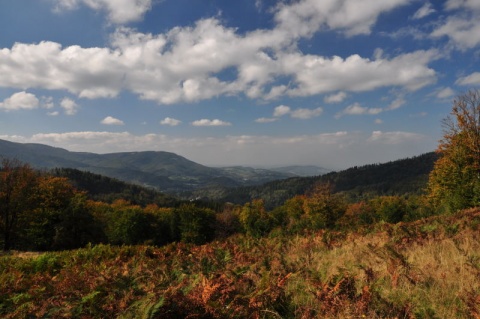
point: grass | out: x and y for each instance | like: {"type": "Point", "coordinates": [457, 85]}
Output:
{"type": "Point", "coordinates": [424, 269]}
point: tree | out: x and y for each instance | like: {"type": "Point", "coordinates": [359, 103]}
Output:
{"type": "Point", "coordinates": [322, 207]}
{"type": "Point", "coordinates": [17, 181]}
{"type": "Point", "coordinates": [192, 224]}
{"type": "Point", "coordinates": [254, 219]}
{"type": "Point", "coordinates": [454, 182]}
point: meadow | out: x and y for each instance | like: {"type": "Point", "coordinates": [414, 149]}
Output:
{"type": "Point", "coordinates": [429, 268]}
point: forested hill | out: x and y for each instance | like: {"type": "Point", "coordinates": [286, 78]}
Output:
{"type": "Point", "coordinates": [106, 189]}
{"type": "Point", "coordinates": [405, 176]}
{"type": "Point", "coordinates": [164, 171]}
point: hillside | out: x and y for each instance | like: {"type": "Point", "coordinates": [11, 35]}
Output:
{"type": "Point", "coordinates": [164, 171]}
{"type": "Point", "coordinates": [106, 189]}
{"type": "Point", "coordinates": [405, 176]}
{"type": "Point", "coordinates": [424, 269]}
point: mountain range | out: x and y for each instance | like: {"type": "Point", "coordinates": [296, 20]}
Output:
{"type": "Point", "coordinates": [164, 171]}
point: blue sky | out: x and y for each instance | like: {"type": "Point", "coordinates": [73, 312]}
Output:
{"type": "Point", "coordinates": [253, 82]}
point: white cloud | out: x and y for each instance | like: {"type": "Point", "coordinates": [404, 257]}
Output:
{"type": "Point", "coordinates": [465, 4]}
{"type": "Point", "coordinates": [357, 109]}
{"type": "Point", "coordinates": [353, 17]}
{"type": "Point", "coordinates": [397, 103]}
{"type": "Point", "coordinates": [69, 106]}
{"type": "Point", "coordinates": [378, 121]}
{"type": "Point", "coordinates": [472, 79]}
{"type": "Point", "coordinates": [109, 120]}
{"type": "Point", "coordinates": [300, 113]}
{"type": "Point", "coordinates": [445, 93]}
{"type": "Point", "coordinates": [206, 122]}
{"type": "Point", "coordinates": [47, 102]}
{"type": "Point", "coordinates": [461, 26]}
{"type": "Point", "coordinates": [305, 114]}
{"type": "Point", "coordinates": [184, 63]}
{"type": "Point", "coordinates": [335, 98]}
{"type": "Point", "coordinates": [118, 11]}
{"type": "Point", "coordinates": [281, 110]}
{"type": "Point", "coordinates": [266, 120]}
{"type": "Point", "coordinates": [20, 101]}
{"type": "Point", "coordinates": [394, 137]}
{"type": "Point", "coordinates": [170, 121]}
{"type": "Point", "coordinates": [315, 75]}
{"type": "Point", "coordinates": [424, 11]}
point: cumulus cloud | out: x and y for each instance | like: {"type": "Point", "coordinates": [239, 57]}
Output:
{"type": "Point", "coordinates": [461, 26]}
{"type": "Point", "coordinates": [472, 79]}
{"type": "Point", "coordinates": [281, 110]}
{"type": "Point", "coordinates": [69, 106]}
{"type": "Point", "coordinates": [424, 11]}
{"type": "Point", "coordinates": [465, 4]}
{"type": "Point", "coordinates": [184, 64]}
{"type": "Point", "coordinates": [109, 120]}
{"type": "Point", "coordinates": [170, 121]}
{"type": "Point", "coordinates": [335, 98]}
{"type": "Point", "coordinates": [118, 11]}
{"type": "Point", "coordinates": [357, 109]}
{"type": "Point", "coordinates": [316, 75]}
{"type": "Point", "coordinates": [207, 122]}
{"type": "Point", "coordinates": [445, 93]}
{"type": "Point", "coordinates": [353, 17]}
{"type": "Point", "coordinates": [300, 113]}
{"type": "Point", "coordinates": [305, 114]}
{"type": "Point", "coordinates": [20, 101]}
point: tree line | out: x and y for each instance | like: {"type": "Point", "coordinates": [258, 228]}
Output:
{"type": "Point", "coordinates": [43, 211]}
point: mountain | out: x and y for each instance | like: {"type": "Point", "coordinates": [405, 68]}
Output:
{"type": "Point", "coordinates": [401, 177]}
{"type": "Point", "coordinates": [163, 171]}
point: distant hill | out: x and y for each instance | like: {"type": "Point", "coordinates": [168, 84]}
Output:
{"type": "Point", "coordinates": [307, 170]}
{"type": "Point", "coordinates": [163, 171]}
{"type": "Point", "coordinates": [405, 176]}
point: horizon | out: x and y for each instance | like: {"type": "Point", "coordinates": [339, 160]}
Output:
{"type": "Point", "coordinates": [255, 83]}
{"type": "Point", "coordinates": [267, 167]}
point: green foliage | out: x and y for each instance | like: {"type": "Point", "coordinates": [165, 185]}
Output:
{"type": "Point", "coordinates": [454, 183]}
{"type": "Point", "coordinates": [401, 177]}
{"type": "Point", "coordinates": [127, 225]}
{"type": "Point", "coordinates": [255, 220]}
{"type": "Point", "coordinates": [106, 189]}
{"type": "Point", "coordinates": [193, 224]}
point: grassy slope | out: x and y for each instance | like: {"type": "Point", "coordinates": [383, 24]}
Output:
{"type": "Point", "coordinates": [425, 269]}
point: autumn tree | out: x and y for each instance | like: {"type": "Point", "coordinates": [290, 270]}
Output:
{"type": "Point", "coordinates": [17, 181]}
{"type": "Point", "coordinates": [323, 207]}
{"type": "Point", "coordinates": [454, 182]}
{"type": "Point", "coordinates": [254, 219]}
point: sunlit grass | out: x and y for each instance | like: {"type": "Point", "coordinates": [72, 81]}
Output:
{"type": "Point", "coordinates": [425, 269]}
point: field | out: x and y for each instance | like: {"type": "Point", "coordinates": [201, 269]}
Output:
{"type": "Point", "coordinates": [424, 269]}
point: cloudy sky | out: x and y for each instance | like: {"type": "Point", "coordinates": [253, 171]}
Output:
{"type": "Point", "coordinates": [333, 83]}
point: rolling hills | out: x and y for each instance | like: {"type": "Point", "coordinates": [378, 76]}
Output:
{"type": "Point", "coordinates": [163, 171]}
{"type": "Point", "coordinates": [173, 174]}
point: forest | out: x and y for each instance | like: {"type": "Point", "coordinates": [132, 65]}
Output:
{"type": "Point", "coordinates": [78, 245]}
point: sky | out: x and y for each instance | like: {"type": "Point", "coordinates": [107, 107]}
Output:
{"type": "Point", "coordinates": [333, 83]}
